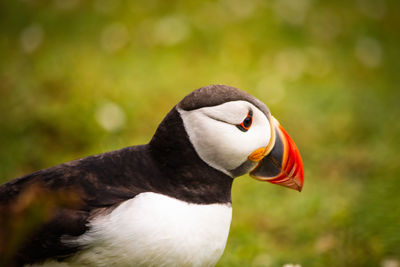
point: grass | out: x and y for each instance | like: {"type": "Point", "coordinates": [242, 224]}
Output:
{"type": "Point", "coordinates": [327, 70]}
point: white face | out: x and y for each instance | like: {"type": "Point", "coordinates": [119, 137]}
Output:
{"type": "Point", "coordinates": [215, 136]}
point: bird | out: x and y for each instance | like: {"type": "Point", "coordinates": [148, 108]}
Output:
{"type": "Point", "coordinates": [165, 203]}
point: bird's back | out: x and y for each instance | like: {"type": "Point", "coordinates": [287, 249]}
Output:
{"type": "Point", "coordinates": [40, 208]}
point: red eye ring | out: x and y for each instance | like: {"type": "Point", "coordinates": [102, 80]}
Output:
{"type": "Point", "coordinates": [245, 125]}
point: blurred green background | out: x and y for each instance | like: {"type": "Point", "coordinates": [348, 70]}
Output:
{"type": "Point", "coordinates": [84, 77]}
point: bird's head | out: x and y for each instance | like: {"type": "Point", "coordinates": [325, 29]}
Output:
{"type": "Point", "coordinates": [235, 133]}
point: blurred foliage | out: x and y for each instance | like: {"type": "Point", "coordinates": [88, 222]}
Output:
{"type": "Point", "coordinates": [84, 77]}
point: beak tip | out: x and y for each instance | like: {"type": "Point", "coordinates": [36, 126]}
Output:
{"type": "Point", "coordinates": [291, 169]}
{"type": "Point", "coordinates": [299, 180]}
{"type": "Point", "coordinates": [294, 183]}
{"type": "Point", "coordinates": [300, 188]}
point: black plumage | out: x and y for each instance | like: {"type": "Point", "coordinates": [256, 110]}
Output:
{"type": "Point", "coordinates": [168, 165]}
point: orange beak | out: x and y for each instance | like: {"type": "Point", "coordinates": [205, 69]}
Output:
{"type": "Point", "coordinates": [283, 164]}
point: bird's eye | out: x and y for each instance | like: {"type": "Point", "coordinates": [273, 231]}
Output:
{"type": "Point", "coordinates": [246, 123]}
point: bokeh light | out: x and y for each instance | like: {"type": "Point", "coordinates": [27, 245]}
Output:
{"type": "Point", "coordinates": [79, 78]}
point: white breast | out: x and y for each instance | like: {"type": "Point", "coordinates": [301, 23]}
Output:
{"type": "Point", "coordinates": [155, 230]}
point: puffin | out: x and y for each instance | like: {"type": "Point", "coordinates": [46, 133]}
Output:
{"type": "Point", "coordinates": [165, 203]}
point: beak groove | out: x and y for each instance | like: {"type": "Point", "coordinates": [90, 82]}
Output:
{"type": "Point", "coordinates": [283, 165]}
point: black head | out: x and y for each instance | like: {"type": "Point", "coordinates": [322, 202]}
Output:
{"type": "Point", "coordinates": [208, 123]}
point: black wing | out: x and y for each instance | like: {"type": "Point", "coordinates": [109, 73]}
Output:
{"type": "Point", "coordinates": [41, 207]}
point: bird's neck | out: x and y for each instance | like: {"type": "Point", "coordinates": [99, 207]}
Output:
{"type": "Point", "coordinates": [184, 174]}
